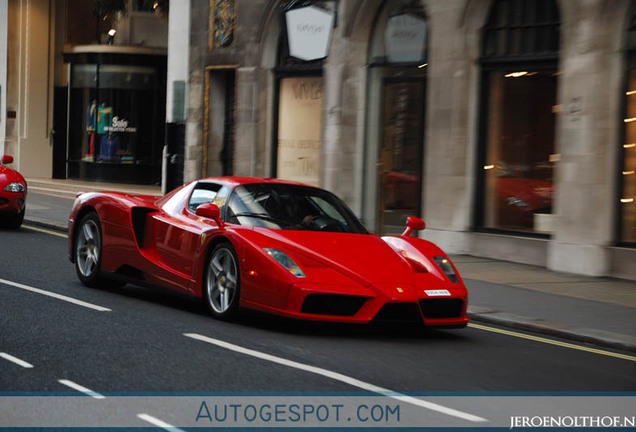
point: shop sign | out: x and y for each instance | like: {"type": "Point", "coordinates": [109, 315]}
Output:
{"type": "Point", "coordinates": [120, 125]}
{"type": "Point", "coordinates": [308, 32]}
{"type": "Point", "coordinates": [405, 39]}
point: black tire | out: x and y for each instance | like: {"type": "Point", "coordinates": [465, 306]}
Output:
{"type": "Point", "coordinates": [14, 222]}
{"type": "Point", "coordinates": [221, 284]}
{"type": "Point", "coordinates": [88, 251]}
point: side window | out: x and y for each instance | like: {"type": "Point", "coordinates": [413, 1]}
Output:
{"type": "Point", "coordinates": [328, 209]}
{"type": "Point", "coordinates": [203, 193]}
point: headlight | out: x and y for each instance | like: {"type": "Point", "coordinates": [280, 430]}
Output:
{"type": "Point", "coordinates": [286, 261]}
{"type": "Point", "coordinates": [14, 187]}
{"type": "Point", "coordinates": [514, 201]}
{"type": "Point", "coordinates": [447, 268]}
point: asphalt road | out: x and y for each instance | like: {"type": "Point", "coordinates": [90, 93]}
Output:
{"type": "Point", "coordinates": [140, 344]}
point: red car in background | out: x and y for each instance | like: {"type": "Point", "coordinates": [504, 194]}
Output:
{"type": "Point", "coordinates": [271, 245]}
{"type": "Point", "coordinates": [520, 198]}
{"type": "Point", "coordinates": [13, 191]}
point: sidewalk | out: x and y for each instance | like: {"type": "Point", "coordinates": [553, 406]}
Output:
{"type": "Point", "coordinates": [600, 311]}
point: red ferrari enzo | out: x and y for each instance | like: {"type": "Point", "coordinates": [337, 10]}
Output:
{"type": "Point", "coordinates": [13, 191]}
{"type": "Point", "coordinates": [271, 245]}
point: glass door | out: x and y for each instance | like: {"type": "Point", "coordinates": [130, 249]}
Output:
{"type": "Point", "coordinates": [400, 152]}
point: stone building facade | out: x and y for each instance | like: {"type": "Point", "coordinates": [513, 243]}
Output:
{"type": "Point", "coordinates": [508, 125]}
{"type": "Point", "coordinates": [537, 171]}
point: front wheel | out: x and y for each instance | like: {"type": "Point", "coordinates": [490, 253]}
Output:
{"type": "Point", "coordinates": [15, 221]}
{"type": "Point", "coordinates": [222, 281]}
{"type": "Point", "coordinates": [88, 250]}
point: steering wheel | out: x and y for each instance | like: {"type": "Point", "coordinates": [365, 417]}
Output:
{"type": "Point", "coordinates": [326, 223]}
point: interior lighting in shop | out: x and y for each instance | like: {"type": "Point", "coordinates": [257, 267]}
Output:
{"type": "Point", "coordinates": [628, 146]}
{"type": "Point", "coordinates": [631, 92]}
{"type": "Point", "coordinates": [627, 200]}
{"type": "Point", "coordinates": [554, 157]}
{"type": "Point", "coordinates": [111, 36]}
{"type": "Point", "coordinates": [422, 65]}
{"type": "Point", "coordinates": [488, 167]}
{"type": "Point", "coordinates": [628, 172]}
{"type": "Point", "coordinates": [629, 120]}
{"type": "Point", "coordinates": [516, 74]}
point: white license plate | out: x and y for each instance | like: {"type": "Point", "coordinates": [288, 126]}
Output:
{"type": "Point", "coordinates": [437, 293]}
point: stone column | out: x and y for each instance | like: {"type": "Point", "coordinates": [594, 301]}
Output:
{"type": "Point", "coordinates": [588, 133]}
{"type": "Point", "coordinates": [451, 139]}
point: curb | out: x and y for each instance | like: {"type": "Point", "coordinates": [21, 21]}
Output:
{"type": "Point", "coordinates": [44, 224]}
{"type": "Point", "coordinates": [579, 334]}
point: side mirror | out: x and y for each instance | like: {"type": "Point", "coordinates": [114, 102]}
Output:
{"type": "Point", "coordinates": [413, 224]}
{"type": "Point", "coordinates": [6, 159]}
{"type": "Point", "coordinates": [210, 211]}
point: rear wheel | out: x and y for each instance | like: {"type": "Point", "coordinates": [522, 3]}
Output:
{"type": "Point", "coordinates": [88, 250]}
{"type": "Point", "coordinates": [222, 281]}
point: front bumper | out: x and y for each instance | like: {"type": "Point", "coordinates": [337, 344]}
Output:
{"type": "Point", "coordinates": [375, 304]}
{"type": "Point", "coordinates": [12, 203]}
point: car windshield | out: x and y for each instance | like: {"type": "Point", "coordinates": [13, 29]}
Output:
{"type": "Point", "coordinates": [290, 207]}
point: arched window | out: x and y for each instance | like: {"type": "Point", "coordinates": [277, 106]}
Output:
{"type": "Point", "coordinates": [517, 122]}
{"type": "Point", "coordinates": [628, 160]}
{"type": "Point", "coordinates": [395, 116]}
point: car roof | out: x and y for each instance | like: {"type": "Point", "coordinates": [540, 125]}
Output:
{"type": "Point", "coordinates": [236, 181]}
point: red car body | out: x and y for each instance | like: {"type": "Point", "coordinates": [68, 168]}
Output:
{"type": "Point", "coordinates": [346, 277]}
{"type": "Point", "coordinates": [13, 192]}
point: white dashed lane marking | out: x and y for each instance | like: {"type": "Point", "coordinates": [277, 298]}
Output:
{"type": "Point", "coordinates": [159, 423]}
{"type": "Point", "coordinates": [81, 389]}
{"type": "Point", "coordinates": [16, 360]}
{"type": "Point", "coordinates": [55, 295]}
{"type": "Point", "coordinates": [339, 377]}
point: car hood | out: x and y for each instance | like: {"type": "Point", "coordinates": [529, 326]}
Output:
{"type": "Point", "coordinates": [365, 258]}
{"type": "Point", "coordinates": [8, 175]}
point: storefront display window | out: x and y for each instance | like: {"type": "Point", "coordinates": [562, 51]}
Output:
{"type": "Point", "coordinates": [297, 152]}
{"type": "Point", "coordinates": [519, 90]}
{"type": "Point", "coordinates": [300, 129]}
{"type": "Point", "coordinates": [520, 158]}
{"type": "Point", "coordinates": [116, 123]}
{"type": "Point", "coordinates": [627, 210]}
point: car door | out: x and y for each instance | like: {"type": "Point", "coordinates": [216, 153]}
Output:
{"type": "Point", "coordinates": [178, 230]}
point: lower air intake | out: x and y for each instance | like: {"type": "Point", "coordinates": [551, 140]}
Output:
{"type": "Point", "coordinates": [332, 304]}
{"type": "Point", "coordinates": [441, 308]}
{"type": "Point", "coordinates": [399, 312]}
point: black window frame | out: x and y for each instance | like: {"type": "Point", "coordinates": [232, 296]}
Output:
{"type": "Point", "coordinates": [537, 60]}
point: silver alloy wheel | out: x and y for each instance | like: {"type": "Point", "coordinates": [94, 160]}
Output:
{"type": "Point", "coordinates": [88, 248]}
{"type": "Point", "coordinates": [221, 283]}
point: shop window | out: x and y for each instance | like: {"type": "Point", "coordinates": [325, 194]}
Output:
{"type": "Point", "coordinates": [519, 88]}
{"type": "Point", "coordinates": [116, 122]}
{"type": "Point", "coordinates": [298, 130]}
{"type": "Point", "coordinates": [627, 200]}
